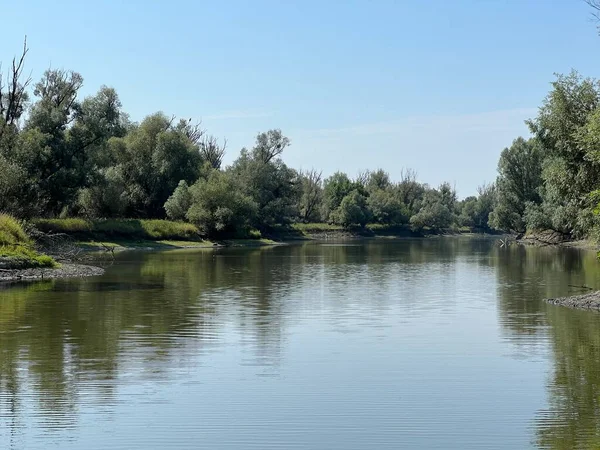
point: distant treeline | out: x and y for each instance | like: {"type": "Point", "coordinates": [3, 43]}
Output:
{"type": "Point", "coordinates": [62, 156]}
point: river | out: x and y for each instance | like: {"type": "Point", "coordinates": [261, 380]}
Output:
{"type": "Point", "coordinates": [384, 344]}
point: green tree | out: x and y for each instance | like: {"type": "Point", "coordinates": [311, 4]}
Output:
{"type": "Point", "coordinates": [386, 207]}
{"type": "Point", "coordinates": [437, 210]}
{"type": "Point", "coordinates": [265, 178]}
{"type": "Point", "coordinates": [335, 188]}
{"type": "Point", "coordinates": [519, 182]}
{"type": "Point", "coordinates": [152, 159]}
{"type": "Point", "coordinates": [353, 210]}
{"type": "Point", "coordinates": [566, 127]}
{"type": "Point", "coordinates": [179, 203]}
{"type": "Point", "coordinates": [219, 205]}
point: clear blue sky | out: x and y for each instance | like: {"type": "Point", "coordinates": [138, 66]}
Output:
{"type": "Point", "coordinates": [438, 86]}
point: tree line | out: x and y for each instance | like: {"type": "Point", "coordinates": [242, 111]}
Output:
{"type": "Point", "coordinates": [66, 156]}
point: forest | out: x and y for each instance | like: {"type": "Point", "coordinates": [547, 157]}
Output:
{"type": "Point", "coordinates": [64, 156]}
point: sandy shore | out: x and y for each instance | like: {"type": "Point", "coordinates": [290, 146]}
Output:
{"type": "Point", "coordinates": [64, 271]}
{"type": "Point", "coordinates": [585, 301]}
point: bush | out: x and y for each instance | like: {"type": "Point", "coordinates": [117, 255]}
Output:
{"type": "Point", "coordinates": [179, 203]}
{"type": "Point", "coordinates": [436, 217]}
{"type": "Point", "coordinates": [352, 211]}
{"type": "Point", "coordinates": [219, 206]}
{"type": "Point", "coordinates": [387, 208]}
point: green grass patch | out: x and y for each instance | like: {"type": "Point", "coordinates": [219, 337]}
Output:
{"type": "Point", "coordinates": [11, 231]}
{"type": "Point", "coordinates": [316, 227]}
{"type": "Point", "coordinates": [136, 229]}
{"type": "Point", "coordinates": [16, 249]}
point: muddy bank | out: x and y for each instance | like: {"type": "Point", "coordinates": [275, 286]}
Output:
{"type": "Point", "coordinates": [585, 301]}
{"type": "Point", "coordinates": [64, 271]}
{"type": "Point", "coordinates": [551, 238]}
{"type": "Point", "coordinates": [544, 238]}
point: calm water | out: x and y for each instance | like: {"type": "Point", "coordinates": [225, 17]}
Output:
{"type": "Point", "coordinates": [424, 344]}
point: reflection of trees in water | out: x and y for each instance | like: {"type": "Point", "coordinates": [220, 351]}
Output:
{"type": "Point", "coordinates": [572, 420]}
{"type": "Point", "coordinates": [155, 310]}
{"type": "Point", "coordinates": [526, 276]}
{"type": "Point", "coordinates": [152, 307]}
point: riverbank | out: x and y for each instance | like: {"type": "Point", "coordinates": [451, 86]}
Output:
{"type": "Point", "coordinates": [551, 238]}
{"type": "Point", "coordinates": [62, 271]}
{"type": "Point", "coordinates": [121, 234]}
{"type": "Point", "coordinates": [589, 301]}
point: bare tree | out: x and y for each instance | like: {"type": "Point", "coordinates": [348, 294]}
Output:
{"type": "Point", "coordinates": [312, 192]}
{"type": "Point", "coordinates": [362, 177]}
{"type": "Point", "coordinates": [193, 131]}
{"type": "Point", "coordinates": [211, 151]}
{"type": "Point", "coordinates": [595, 5]}
{"type": "Point", "coordinates": [409, 188]}
{"type": "Point", "coordinates": [13, 93]}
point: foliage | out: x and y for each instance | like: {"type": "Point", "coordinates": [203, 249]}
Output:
{"type": "Point", "coordinates": [386, 207]}
{"type": "Point", "coordinates": [311, 196]}
{"type": "Point", "coordinates": [437, 210]}
{"type": "Point", "coordinates": [63, 155]}
{"type": "Point", "coordinates": [519, 182]}
{"type": "Point", "coordinates": [335, 189]}
{"type": "Point", "coordinates": [179, 203]}
{"type": "Point", "coordinates": [219, 205]}
{"type": "Point", "coordinates": [352, 210]}
{"type": "Point", "coordinates": [268, 181]}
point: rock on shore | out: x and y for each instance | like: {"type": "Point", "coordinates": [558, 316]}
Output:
{"type": "Point", "coordinates": [64, 271]}
{"type": "Point", "coordinates": [585, 301]}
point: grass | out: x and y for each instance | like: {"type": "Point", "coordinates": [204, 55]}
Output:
{"type": "Point", "coordinates": [136, 229]}
{"type": "Point", "coordinates": [16, 249]}
{"type": "Point", "coordinates": [316, 227]}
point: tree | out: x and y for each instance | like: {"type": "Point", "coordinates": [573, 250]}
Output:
{"type": "Point", "coordinates": [411, 192]}
{"type": "Point", "coordinates": [519, 182]}
{"type": "Point", "coordinates": [437, 210]}
{"type": "Point", "coordinates": [386, 207]}
{"type": "Point", "coordinates": [219, 205]}
{"type": "Point", "coordinates": [106, 197]}
{"type": "Point", "coordinates": [377, 180]}
{"type": "Point", "coordinates": [311, 195]}
{"type": "Point", "coordinates": [270, 145]}
{"type": "Point", "coordinates": [335, 188]}
{"type": "Point", "coordinates": [211, 152]}
{"type": "Point", "coordinates": [566, 128]}
{"type": "Point", "coordinates": [13, 94]}
{"type": "Point", "coordinates": [273, 186]}
{"type": "Point", "coordinates": [152, 159]}
{"type": "Point", "coordinates": [352, 210]}
{"type": "Point", "coordinates": [179, 203]}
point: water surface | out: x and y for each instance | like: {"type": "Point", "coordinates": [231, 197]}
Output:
{"type": "Point", "coordinates": [432, 344]}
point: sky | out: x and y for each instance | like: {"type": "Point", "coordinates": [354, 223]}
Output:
{"type": "Point", "coordinates": [437, 86]}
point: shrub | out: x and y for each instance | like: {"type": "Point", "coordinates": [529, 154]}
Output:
{"type": "Point", "coordinates": [179, 203]}
{"type": "Point", "coordinates": [352, 211]}
{"type": "Point", "coordinates": [219, 206]}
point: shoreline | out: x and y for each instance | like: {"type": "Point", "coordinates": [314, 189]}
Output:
{"type": "Point", "coordinates": [67, 270]}
{"type": "Point", "coordinates": [84, 269]}
{"type": "Point", "coordinates": [589, 301]}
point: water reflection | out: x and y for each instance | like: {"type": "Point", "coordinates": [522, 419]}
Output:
{"type": "Point", "coordinates": [410, 326]}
